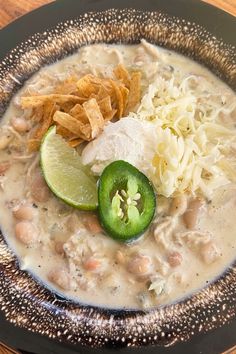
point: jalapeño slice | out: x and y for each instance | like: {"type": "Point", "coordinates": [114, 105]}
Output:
{"type": "Point", "coordinates": [126, 201]}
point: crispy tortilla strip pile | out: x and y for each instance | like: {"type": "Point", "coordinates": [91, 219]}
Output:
{"type": "Point", "coordinates": [81, 108]}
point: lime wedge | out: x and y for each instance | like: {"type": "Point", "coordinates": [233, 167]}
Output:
{"type": "Point", "coordinates": [65, 174]}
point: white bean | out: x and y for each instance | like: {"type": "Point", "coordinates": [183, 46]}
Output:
{"type": "Point", "coordinates": [92, 264]}
{"type": "Point", "coordinates": [209, 252]}
{"type": "Point", "coordinates": [120, 257]}
{"type": "Point", "coordinates": [191, 216]}
{"type": "Point", "coordinates": [60, 277]}
{"type": "Point", "coordinates": [20, 125]}
{"type": "Point", "coordinates": [174, 259]}
{"type": "Point", "coordinates": [179, 205]}
{"type": "Point", "coordinates": [26, 232]}
{"type": "Point", "coordinates": [92, 223]}
{"type": "Point", "coordinates": [139, 265]}
{"type": "Point", "coordinates": [24, 212]}
{"type": "Point", "coordinates": [39, 189]}
{"type": "Point", "coordinates": [59, 247]}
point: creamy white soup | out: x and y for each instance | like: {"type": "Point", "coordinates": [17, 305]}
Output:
{"type": "Point", "coordinates": [181, 135]}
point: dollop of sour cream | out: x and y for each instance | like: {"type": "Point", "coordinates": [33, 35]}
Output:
{"type": "Point", "coordinates": [129, 139]}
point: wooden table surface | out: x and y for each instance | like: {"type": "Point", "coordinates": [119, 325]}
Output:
{"type": "Point", "coordinates": [11, 9]}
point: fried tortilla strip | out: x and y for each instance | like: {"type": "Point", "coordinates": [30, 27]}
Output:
{"type": "Point", "coordinates": [134, 92]}
{"type": "Point", "coordinates": [34, 101]}
{"type": "Point", "coordinates": [66, 107]}
{"type": "Point", "coordinates": [91, 86]}
{"type": "Point", "coordinates": [105, 105]}
{"type": "Point", "coordinates": [68, 122]}
{"type": "Point", "coordinates": [122, 74]}
{"type": "Point", "coordinates": [119, 99]}
{"type": "Point", "coordinates": [100, 81]}
{"type": "Point", "coordinates": [78, 112]}
{"type": "Point", "coordinates": [125, 94]}
{"type": "Point", "coordinates": [86, 132]}
{"type": "Point", "coordinates": [106, 86]}
{"type": "Point", "coordinates": [37, 113]}
{"type": "Point", "coordinates": [81, 107]}
{"type": "Point", "coordinates": [67, 87]}
{"type": "Point", "coordinates": [49, 109]}
{"type": "Point", "coordinates": [106, 108]}
{"type": "Point", "coordinates": [110, 115]}
{"type": "Point", "coordinates": [75, 142]}
{"type": "Point", "coordinates": [95, 117]}
{"type": "Point", "coordinates": [104, 90]}
{"type": "Point", "coordinates": [33, 145]}
{"type": "Point", "coordinates": [65, 133]}
{"type": "Point", "coordinates": [87, 85]}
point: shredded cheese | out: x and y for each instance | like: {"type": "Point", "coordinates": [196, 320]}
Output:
{"type": "Point", "coordinates": [194, 148]}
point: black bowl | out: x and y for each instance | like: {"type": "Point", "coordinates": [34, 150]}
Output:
{"type": "Point", "coordinates": [44, 323]}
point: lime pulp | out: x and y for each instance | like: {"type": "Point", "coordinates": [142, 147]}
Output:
{"type": "Point", "coordinates": [65, 174]}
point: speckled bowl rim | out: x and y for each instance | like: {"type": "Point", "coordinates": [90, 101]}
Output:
{"type": "Point", "coordinates": [27, 303]}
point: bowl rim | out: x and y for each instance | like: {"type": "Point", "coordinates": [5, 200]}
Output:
{"type": "Point", "coordinates": [21, 26]}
